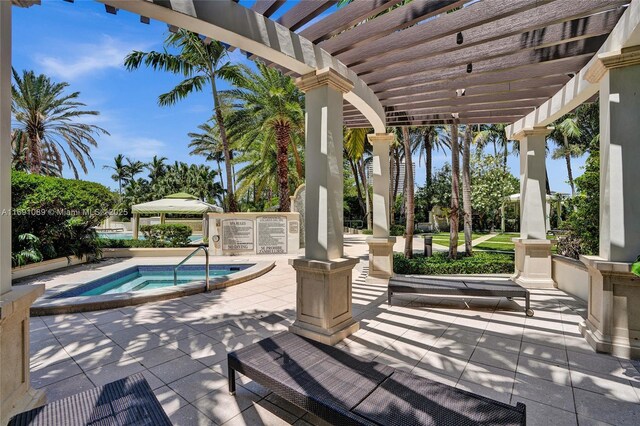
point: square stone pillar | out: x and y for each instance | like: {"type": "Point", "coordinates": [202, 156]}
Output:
{"type": "Point", "coordinates": [323, 308]}
{"type": "Point", "coordinates": [381, 244]}
{"type": "Point", "coordinates": [533, 250]}
{"type": "Point", "coordinates": [613, 319]}
{"type": "Point", "coordinates": [16, 393]}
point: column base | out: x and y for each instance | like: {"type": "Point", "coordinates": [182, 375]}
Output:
{"type": "Point", "coordinates": [613, 317]}
{"type": "Point", "coordinates": [381, 256]}
{"type": "Point", "coordinates": [15, 381]}
{"type": "Point", "coordinates": [323, 299]}
{"type": "Point", "coordinates": [533, 263]}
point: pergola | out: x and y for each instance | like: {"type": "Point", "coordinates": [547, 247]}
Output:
{"type": "Point", "coordinates": [180, 203]}
{"type": "Point", "coordinates": [525, 62]}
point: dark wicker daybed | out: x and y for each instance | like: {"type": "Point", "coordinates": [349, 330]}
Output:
{"type": "Point", "coordinates": [458, 287]}
{"type": "Point", "coordinates": [344, 389]}
{"type": "Point", "coordinates": [128, 401]}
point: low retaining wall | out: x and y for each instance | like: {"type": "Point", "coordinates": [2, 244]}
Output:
{"type": "Point", "coordinates": [149, 252]}
{"type": "Point", "coordinates": [46, 266]}
{"type": "Point", "coordinates": [571, 276]}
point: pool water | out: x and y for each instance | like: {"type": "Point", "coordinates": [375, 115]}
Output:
{"type": "Point", "coordinates": [141, 277]}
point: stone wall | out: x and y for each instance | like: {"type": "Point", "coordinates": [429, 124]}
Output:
{"type": "Point", "coordinates": [571, 276]}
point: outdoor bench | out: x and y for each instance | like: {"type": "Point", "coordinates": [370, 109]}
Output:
{"type": "Point", "coordinates": [344, 389]}
{"type": "Point", "coordinates": [128, 401]}
{"type": "Point", "coordinates": [457, 287]}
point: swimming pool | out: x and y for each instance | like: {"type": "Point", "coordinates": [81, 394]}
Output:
{"type": "Point", "coordinates": [148, 277]}
{"type": "Point", "coordinates": [129, 236]}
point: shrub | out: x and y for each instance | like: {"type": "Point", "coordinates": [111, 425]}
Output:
{"type": "Point", "coordinates": [59, 213]}
{"type": "Point", "coordinates": [367, 231]}
{"type": "Point", "coordinates": [168, 235]}
{"type": "Point", "coordinates": [440, 264]}
{"type": "Point", "coordinates": [397, 230]}
{"type": "Point", "coordinates": [117, 243]}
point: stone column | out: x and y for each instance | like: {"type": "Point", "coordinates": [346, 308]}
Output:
{"type": "Point", "coordinates": [613, 319]}
{"type": "Point", "coordinates": [381, 244]}
{"type": "Point", "coordinates": [323, 309]}
{"type": "Point", "coordinates": [16, 393]}
{"type": "Point", "coordinates": [533, 250]}
{"type": "Point", "coordinates": [135, 224]}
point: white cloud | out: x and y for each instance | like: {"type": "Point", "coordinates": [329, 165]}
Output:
{"type": "Point", "coordinates": [74, 60]}
{"type": "Point", "coordinates": [137, 147]}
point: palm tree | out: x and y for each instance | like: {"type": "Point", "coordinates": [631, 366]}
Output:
{"type": "Point", "coordinates": [496, 135]}
{"type": "Point", "coordinates": [455, 191]}
{"type": "Point", "coordinates": [269, 106]}
{"type": "Point", "coordinates": [46, 126]}
{"type": "Point", "coordinates": [120, 171]}
{"type": "Point", "coordinates": [565, 132]}
{"type": "Point", "coordinates": [356, 147]}
{"type": "Point", "coordinates": [429, 142]}
{"type": "Point", "coordinates": [201, 62]}
{"type": "Point", "coordinates": [466, 190]}
{"type": "Point", "coordinates": [208, 144]}
{"type": "Point", "coordinates": [133, 168]}
{"type": "Point", "coordinates": [157, 168]}
{"type": "Point", "coordinates": [409, 198]}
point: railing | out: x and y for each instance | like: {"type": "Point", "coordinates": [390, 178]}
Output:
{"type": "Point", "coordinates": [206, 267]}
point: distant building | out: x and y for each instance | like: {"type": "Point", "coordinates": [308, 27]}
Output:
{"type": "Point", "coordinates": [369, 172]}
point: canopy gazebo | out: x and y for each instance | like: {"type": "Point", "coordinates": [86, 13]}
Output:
{"type": "Point", "coordinates": [179, 203]}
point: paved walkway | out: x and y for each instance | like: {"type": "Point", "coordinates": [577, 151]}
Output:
{"type": "Point", "coordinates": [489, 347]}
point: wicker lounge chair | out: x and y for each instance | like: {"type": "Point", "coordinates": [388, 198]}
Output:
{"type": "Point", "coordinates": [128, 401]}
{"type": "Point", "coordinates": [344, 389]}
{"type": "Point", "coordinates": [452, 287]}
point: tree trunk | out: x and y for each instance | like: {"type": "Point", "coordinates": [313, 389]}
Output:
{"type": "Point", "coordinates": [466, 191]}
{"type": "Point", "coordinates": [356, 178]}
{"type": "Point", "coordinates": [546, 180]}
{"type": "Point", "coordinates": [296, 156]}
{"type": "Point", "coordinates": [282, 140]}
{"type": "Point", "coordinates": [567, 157]}
{"type": "Point", "coordinates": [408, 194]}
{"type": "Point", "coordinates": [392, 200]}
{"type": "Point", "coordinates": [367, 197]}
{"type": "Point", "coordinates": [231, 199]}
{"type": "Point", "coordinates": [35, 154]}
{"type": "Point", "coordinates": [455, 191]}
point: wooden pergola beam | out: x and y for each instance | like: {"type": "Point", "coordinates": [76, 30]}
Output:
{"type": "Point", "coordinates": [267, 7]}
{"type": "Point", "coordinates": [402, 17]}
{"type": "Point", "coordinates": [304, 12]}
{"type": "Point", "coordinates": [344, 18]}
{"type": "Point", "coordinates": [438, 54]}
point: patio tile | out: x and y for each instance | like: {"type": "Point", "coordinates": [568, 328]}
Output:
{"type": "Point", "coordinates": [170, 400]}
{"type": "Point", "coordinates": [80, 335]}
{"type": "Point", "coordinates": [190, 416]}
{"type": "Point", "coordinates": [586, 421]}
{"type": "Point", "coordinates": [51, 353]}
{"type": "Point", "coordinates": [485, 391]}
{"type": "Point", "coordinates": [546, 353]}
{"type": "Point", "coordinates": [491, 341]}
{"type": "Point", "coordinates": [221, 407]}
{"type": "Point", "coordinates": [488, 376]}
{"type": "Point", "coordinates": [203, 348]}
{"type": "Point", "coordinates": [136, 337]}
{"type": "Point", "coordinates": [532, 367]}
{"type": "Point", "coordinates": [47, 375]}
{"type": "Point", "coordinates": [104, 317]}
{"type": "Point", "coordinates": [544, 415]}
{"type": "Point", "coordinates": [198, 384]}
{"type": "Point", "coordinates": [495, 358]}
{"type": "Point", "coordinates": [262, 413]}
{"type": "Point", "coordinates": [451, 347]}
{"type": "Point", "coordinates": [593, 362]}
{"type": "Point", "coordinates": [543, 391]}
{"type": "Point", "coordinates": [604, 384]}
{"type": "Point", "coordinates": [176, 369]}
{"type": "Point", "coordinates": [94, 353]}
{"type": "Point", "coordinates": [157, 356]}
{"type": "Point", "coordinates": [595, 406]}
{"type": "Point", "coordinates": [111, 372]}
{"type": "Point", "coordinates": [462, 334]}
{"type": "Point", "coordinates": [153, 381]}
{"type": "Point", "coordinates": [442, 364]}
{"type": "Point", "coordinates": [67, 387]}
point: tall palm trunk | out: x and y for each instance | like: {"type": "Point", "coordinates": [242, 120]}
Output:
{"type": "Point", "coordinates": [365, 185]}
{"type": "Point", "coordinates": [408, 193]}
{"type": "Point", "coordinates": [567, 158]}
{"type": "Point", "coordinates": [392, 200]}
{"type": "Point", "coordinates": [429, 165]}
{"type": "Point", "coordinates": [296, 156]}
{"type": "Point", "coordinates": [455, 191]}
{"type": "Point", "coordinates": [282, 140]}
{"type": "Point", "coordinates": [231, 199]}
{"type": "Point", "coordinates": [466, 190]}
{"type": "Point", "coordinates": [356, 178]}
{"type": "Point", "coordinates": [35, 154]}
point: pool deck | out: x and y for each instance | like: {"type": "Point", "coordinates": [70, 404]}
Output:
{"type": "Point", "coordinates": [487, 347]}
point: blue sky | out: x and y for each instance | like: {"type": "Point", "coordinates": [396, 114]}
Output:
{"type": "Point", "coordinates": [81, 44]}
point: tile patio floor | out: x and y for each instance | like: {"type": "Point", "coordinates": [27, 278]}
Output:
{"type": "Point", "coordinates": [180, 346]}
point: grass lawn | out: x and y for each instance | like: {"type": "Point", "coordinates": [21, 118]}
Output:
{"type": "Point", "coordinates": [502, 242]}
{"type": "Point", "coordinates": [442, 238]}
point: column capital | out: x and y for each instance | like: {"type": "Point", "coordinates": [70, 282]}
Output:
{"type": "Point", "coordinates": [387, 138]}
{"type": "Point", "coordinates": [324, 77]}
{"type": "Point", "coordinates": [531, 131]}
{"type": "Point", "coordinates": [609, 60]}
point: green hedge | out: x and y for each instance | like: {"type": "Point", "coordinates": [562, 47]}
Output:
{"type": "Point", "coordinates": [440, 264]}
{"type": "Point", "coordinates": [58, 215]}
{"type": "Point", "coordinates": [168, 235]}
{"type": "Point", "coordinates": [118, 243]}
{"type": "Point", "coordinates": [397, 230]}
